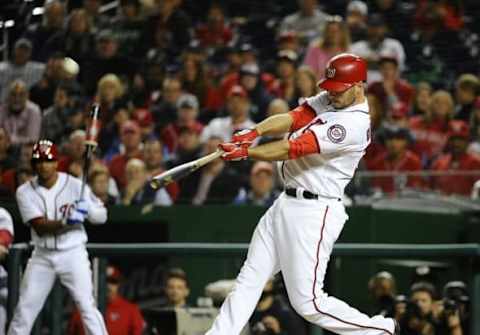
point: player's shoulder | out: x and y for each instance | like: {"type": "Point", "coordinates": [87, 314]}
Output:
{"type": "Point", "coordinates": [26, 187]}
{"type": "Point", "coordinates": [320, 102]}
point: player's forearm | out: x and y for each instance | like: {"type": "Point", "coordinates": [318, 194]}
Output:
{"type": "Point", "coordinates": [275, 125]}
{"type": "Point", "coordinates": [46, 227]}
{"type": "Point", "coordinates": [273, 151]}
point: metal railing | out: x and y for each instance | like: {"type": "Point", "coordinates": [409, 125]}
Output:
{"type": "Point", "coordinates": [100, 251]}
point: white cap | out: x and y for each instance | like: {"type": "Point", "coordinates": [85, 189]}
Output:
{"type": "Point", "coordinates": [358, 6]}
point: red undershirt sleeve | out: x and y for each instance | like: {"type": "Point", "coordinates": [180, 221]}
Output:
{"type": "Point", "coordinates": [303, 145]}
{"type": "Point", "coordinates": [302, 115]}
{"type": "Point", "coordinates": [6, 238]}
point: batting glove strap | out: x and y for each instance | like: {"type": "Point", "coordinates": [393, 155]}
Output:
{"type": "Point", "coordinates": [233, 152]}
{"type": "Point", "coordinates": [245, 137]}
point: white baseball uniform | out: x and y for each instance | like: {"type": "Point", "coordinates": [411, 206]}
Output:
{"type": "Point", "coordinates": [296, 235]}
{"type": "Point", "coordinates": [61, 255]}
{"type": "Point", "coordinates": [6, 225]}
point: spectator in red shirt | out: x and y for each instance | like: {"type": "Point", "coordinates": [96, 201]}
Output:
{"type": "Point", "coordinates": [131, 139]}
{"type": "Point", "coordinates": [72, 162]}
{"type": "Point", "coordinates": [430, 130]}
{"type": "Point", "coordinates": [215, 32]}
{"type": "Point", "coordinates": [396, 159]}
{"type": "Point", "coordinates": [122, 317]}
{"type": "Point", "coordinates": [145, 120]}
{"type": "Point", "coordinates": [187, 113]}
{"type": "Point", "coordinates": [456, 158]}
{"type": "Point", "coordinates": [423, 97]}
{"type": "Point", "coordinates": [391, 88]}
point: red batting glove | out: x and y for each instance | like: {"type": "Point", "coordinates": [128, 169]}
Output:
{"type": "Point", "coordinates": [233, 152]}
{"type": "Point", "coordinates": [245, 137]}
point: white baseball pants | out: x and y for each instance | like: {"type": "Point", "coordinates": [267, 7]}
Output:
{"type": "Point", "coordinates": [72, 267]}
{"type": "Point", "coordinates": [296, 236]}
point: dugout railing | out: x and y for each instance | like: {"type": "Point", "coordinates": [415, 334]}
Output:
{"type": "Point", "coordinates": [100, 252]}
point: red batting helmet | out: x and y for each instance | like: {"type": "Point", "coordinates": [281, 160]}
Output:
{"type": "Point", "coordinates": [342, 72]}
{"type": "Point", "coordinates": [44, 150]}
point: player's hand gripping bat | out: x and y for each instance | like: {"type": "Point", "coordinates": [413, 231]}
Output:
{"type": "Point", "coordinates": [91, 145]}
{"type": "Point", "coordinates": [183, 170]}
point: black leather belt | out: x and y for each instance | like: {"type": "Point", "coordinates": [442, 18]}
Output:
{"type": "Point", "coordinates": [292, 192]}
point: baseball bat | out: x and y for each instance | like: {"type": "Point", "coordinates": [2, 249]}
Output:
{"type": "Point", "coordinates": [91, 144]}
{"type": "Point", "coordinates": [183, 170]}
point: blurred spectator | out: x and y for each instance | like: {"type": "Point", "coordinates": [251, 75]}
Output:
{"type": "Point", "coordinates": [171, 24]}
{"type": "Point", "coordinates": [187, 113]}
{"type": "Point", "coordinates": [121, 316]}
{"type": "Point", "coordinates": [356, 19]}
{"type": "Point", "coordinates": [335, 40]}
{"type": "Point", "coordinates": [382, 288]}
{"type": "Point", "coordinates": [20, 117]}
{"type": "Point", "coordinates": [423, 98]}
{"type": "Point", "coordinates": [261, 191]}
{"type": "Point", "coordinates": [376, 45]}
{"type": "Point", "coordinates": [396, 159]}
{"type": "Point", "coordinates": [238, 107]}
{"type": "Point", "coordinates": [397, 16]}
{"type": "Point", "coordinates": [284, 85]}
{"type": "Point", "coordinates": [218, 183]}
{"type": "Point", "coordinates": [454, 159]}
{"type": "Point", "coordinates": [145, 120]}
{"type": "Point", "coordinates": [22, 171]}
{"type": "Point", "coordinates": [106, 59]}
{"type": "Point", "coordinates": [7, 159]}
{"type": "Point", "coordinates": [79, 39]}
{"type": "Point", "coordinates": [249, 79]}
{"type": "Point", "coordinates": [164, 110]}
{"type": "Point", "coordinates": [273, 315]}
{"type": "Point", "coordinates": [110, 93]}
{"type": "Point", "coordinates": [397, 115]}
{"type": "Point", "coordinates": [305, 83]}
{"type": "Point", "coordinates": [308, 22]}
{"type": "Point", "coordinates": [194, 78]}
{"type": "Point", "coordinates": [177, 288]}
{"type": "Point", "coordinates": [96, 20]}
{"type": "Point", "coordinates": [456, 300]}
{"type": "Point", "coordinates": [63, 117]}
{"type": "Point", "coordinates": [215, 33]}
{"type": "Point", "coordinates": [289, 40]}
{"type": "Point", "coordinates": [73, 160]}
{"type": "Point", "coordinates": [48, 36]}
{"type": "Point", "coordinates": [474, 125]}
{"type": "Point", "coordinates": [129, 26]}
{"type": "Point", "coordinates": [377, 123]}
{"type": "Point", "coordinates": [430, 130]}
{"type": "Point", "coordinates": [418, 317]}
{"type": "Point", "coordinates": [467, 88]}
{"type": "Point", "coordinates": [6, 239]}
{"type": "Point", "coordinates": [277, 106]}
{"type": "Point", "coordinates": [20, 66]}
{"type": "Point", "coordinates": [137, 189]}
{"type": "Point", "coordinates": [110, 140]}
{"type": "Point", "coordinates": [391, 89]}
{"type": "Point", "coordinates": [131, 138]}
{"type": "Point", "coordinates": [99, 182]}
{"type": "Point", "coordinates": [43, 91]}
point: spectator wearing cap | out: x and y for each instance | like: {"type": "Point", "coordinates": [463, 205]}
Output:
{"type": "Point", "coordinates": [397, 115]}
{"type": "Point", "coordinates": [63, 117]}
{"type": "Point", "coordinates": [430, 130]}
{"type": "Point", "coordinates": [391, 88]}
{"type": "Point", "coordinates": [396, 159]}
{"type": "Point", "coordinates": [284, 85]}
{"type": "Point", "coordinates": [383, 289]}
{"type": "Point", "coordinates": [131, 145]}
{"type": "Point", "coordinates": [129, 27]}
{"type": "Point", "coordinates": [43, 91]}
{"type": "Point", "coordinates": [122, 317]}
{"type": "Point", "coordinates": [20, 66]}
{"type": "Point", "coordinates": [164, 109]}
{"type": "Point", "coordinates": [289, 40]}
{"type": "Point", "coordinates": [47, 37]}
{"type": "Point", "coordinates": [106, 59]}
{"type": "Point", "coordinates": [218, 183]}
{"type": "Point", "coordinates": [238, 108]}
{"type": "Point", "coordinates": [377, 44]}
{"type": "Point", "coordinates": [423, 98]}
{"type": "Point", "coordinates": [79, 38]}
{"type": "Point", "coordinates": [356, 18]}
{"type": "Point", "coordinates": [187, 113]}
{"type": "Point", "coordinates": [215, 33]}
{"type": "Point", "coordinates": [261, 192]}
{"type": "Point", "coordinates": [456, 158]}
{"type": "Point", "coordinates": [72, 162]}
{"type": "Point", "coordinates": [467, 89]}
{"type": "Point", "coordinates": [138, 190]}
{"type": "Point", "coordinates": [19, 116]}
{"type": "Point", "coordinates": [308, 22]}
{"type": "Point", "coordinates": [335, 40]}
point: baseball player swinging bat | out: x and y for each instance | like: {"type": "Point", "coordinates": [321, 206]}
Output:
{"type": "Point", "coordinates": [91, 144]}
{"type": "Point", "coordinates": [183, 170]}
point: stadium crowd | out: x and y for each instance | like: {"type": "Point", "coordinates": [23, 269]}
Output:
{"type": "Point", "coordinates": [174, 79]}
